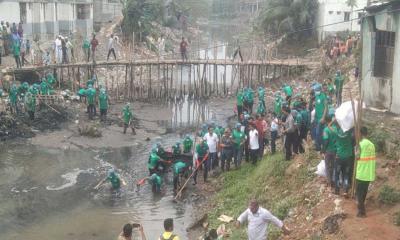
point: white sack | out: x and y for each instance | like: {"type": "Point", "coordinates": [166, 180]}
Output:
{"type": "Point", "coordinates": [321, 169]}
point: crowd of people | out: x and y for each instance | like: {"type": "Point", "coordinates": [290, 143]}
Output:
{"type": "Point", "coordinates": [337, 47]}
{"type": "Point", "coordinates": [12, 42]}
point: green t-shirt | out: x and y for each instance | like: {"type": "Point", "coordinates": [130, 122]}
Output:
{"type": "Point", "coordinates": [86, 44]}
{"type": "Point", "coordinates": [238, 137]}
{"type": "Point", "coordinates": [178, 167]}
{"type": "Point", "coordinates": [115, 181]}
{"type": "Point", "coordinates": [278, 107]}
{"type": "Point", "coordinates": [30, 102]}
{"type": "Point", "coordinates": [339, 82]}
{"type": "Point", "coordinates": [103, 101]}
{"type": "Point", "coordinates": [305, 117]}
{"type": "Point", "coordinates": [155, 179]}
{"type": "Point", "coordinates": [320, 104]}
{"type": "Point", "coordinates": [201, 149]}
{"type": "Point", "coordinates": [153, 160]}
{"type": "Point", "coordinates": [288, 91]}
{"type": "Point", "coordinates": [187, 145]}
{"type": "Point", "coordinates": [331, 88]}
{"type": "Point", "coordinates": [330, 137]}
{"type": "Point", "coordinates": [16, 49]}
{"type": "Point", "coordinates": [298, 120]}
{"type": "Point", "coordinates": [239, 99]}
{"type": "Point", "coordinates": [344, 144]}
{"type": "Point", "coordinates": [44, 89]}
{"type": "Point", "coordinates": [127, 115]}
{"type": "Point", "coordinates": [91, 94]}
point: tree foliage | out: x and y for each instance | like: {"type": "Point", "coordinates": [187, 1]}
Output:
{"type": "Point", "coordinates": [139, 15]}
{"type": "Point", "coordinates": [289, 16]}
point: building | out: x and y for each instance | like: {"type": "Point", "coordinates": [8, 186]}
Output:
{"type": "Point", "coordinates": [48, 18]}
{"type": "Point", "coordinates": [331, 12]}
{"type": "Point", "coordinates": [105, 11]}
{"type": "Point", "coordinates": [380, 70]}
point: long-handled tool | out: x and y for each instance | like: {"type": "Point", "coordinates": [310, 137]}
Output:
{"type": "Point", "coordinates": [184, 185]}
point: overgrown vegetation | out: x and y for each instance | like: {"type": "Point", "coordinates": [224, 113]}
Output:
{"type": "Point", "coordinates": [396, 218]}
{"type": "Point", "coordinates": [378, 137]}
{"type": "Point", "coordinates": [389, 195]}
{"type": "Point", "coordinates": [280, 17]}
{"type": "Point", "coordinates": [268, 182]}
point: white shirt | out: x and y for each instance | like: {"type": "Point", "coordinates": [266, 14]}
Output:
{"type": "Point", "coordinates": [111, 43]}
{"type": "Point", "coordinates": [253, 134]}
{"type": "Point", "coordinates": [257, 228]}
{"type": "Point", "coordinates": [212, 141]}
{"type": "Point", "coordinates": [274, 125]}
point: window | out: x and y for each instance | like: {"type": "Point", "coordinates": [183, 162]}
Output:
{"type": "Point", "coordinates": [384, 53]}
{"type": "Point", "coordinates": [22, 12]}
{"type": "Point", "coordinates": [83, 11]}
{"type": "Point", "coordinates": [338, 12]}
{"type": "Point", "coordinates": [347, 16]}
{"type": "Point", "coordinates": [330, 12]}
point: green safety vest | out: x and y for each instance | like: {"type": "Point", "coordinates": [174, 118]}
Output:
{"type": "Point", "coordinates": [366, 164]}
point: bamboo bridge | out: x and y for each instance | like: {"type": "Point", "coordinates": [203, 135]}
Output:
{"type": "Point", "coordinates": [166, 78]}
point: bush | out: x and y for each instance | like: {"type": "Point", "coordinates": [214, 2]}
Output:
{"type": "Point", "coordinates": [378, 137]}
{"type": "Point", "coordinates": [389, 195]}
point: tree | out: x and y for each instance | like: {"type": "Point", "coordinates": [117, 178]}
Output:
{"type": "Point", "coordinates": [351, 4]}
{"type": "Point", "coordinates": [295, 16]}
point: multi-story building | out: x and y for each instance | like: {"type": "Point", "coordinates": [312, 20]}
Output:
{"type": "Point", "coordinates": [48, 18]}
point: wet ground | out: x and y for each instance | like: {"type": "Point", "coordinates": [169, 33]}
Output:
{"type": "Point", "coordinates": [46, 183]}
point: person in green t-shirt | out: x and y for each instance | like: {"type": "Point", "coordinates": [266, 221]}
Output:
{"type": "Point", "coordinates": [114, 179]}
{"type": "Point", "coordinates": [202, 154]}
{"type": "Point", "coordinates": [86, 49]}
{"type": "Point", "coordinates": [330, 88]}
{"type": "Point", "coordinates": [321, 108]}
{"type": "Point", "coordinates": [261, 96]}
{"type": "Point", "coordinates": [329, 148]}
{"type": "Point", "coordinates": [344, 157]}
{"type": "Point", "coordinates": [339, 81]}
{"type": "Point", "coordinates": [261, 109]}
{"type": "Point", "coordinates": [248, 97]}
{"type": "Point", "coordinates": [156, 182]}
{"type": "Point", "coordinates": [239, 139]}
{"type": "Point", "coordinates": [239, 102]}
{"type": "Point", "coordinates": [176, 149]}
{"type": "Point", "coordinates": [91, 101]}
{"type": "Point", "coordinates": [16, 49]}
{"type": "Point", "coordinates": [178, 169]}
{"type": "Point", "coordinates": [187, 144]}
{"type": "Point", "coordinates": [127, 117]}
{"type": "Point", "coordinates": [278, 104]}
{"type": "Point", "coordinates": [103, 104]}
{"type": "Point", "coordinates": [154, 161]}
{"type": "Point", "coordinates": [13, 97]}
{"type": "Point", "coordinates": [30, 105]}
{"type": "Point", "coordinates": [288, 90]}
{"type": "Point", "coordinates": [44, 87]}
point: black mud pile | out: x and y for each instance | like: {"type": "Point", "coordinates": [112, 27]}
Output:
{"type": "Point", "coordinates": [46, 119]}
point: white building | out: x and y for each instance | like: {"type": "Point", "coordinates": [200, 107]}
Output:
{"type": "Point", "coordinates": [47, 18]}
{"type": "Point", "coordinates": [331, 12]}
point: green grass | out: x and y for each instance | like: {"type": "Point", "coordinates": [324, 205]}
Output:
{"type": "Point", "coordinates": [396, 218]}
{"type": "Point", "coordinates": [266, 182]}
{"type": "Point", "coordinates": [389, 195]}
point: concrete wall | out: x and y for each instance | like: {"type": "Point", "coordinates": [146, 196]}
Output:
{"type": "Point", "coordinates": [105, 11]}
{"type": "Point", "coordinates": [333, 11]}
{"type": "Point", "coordinates": [381, 92]}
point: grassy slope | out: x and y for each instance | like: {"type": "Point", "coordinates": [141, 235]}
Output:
{"type": "Point", "coordinates": [270, 182]}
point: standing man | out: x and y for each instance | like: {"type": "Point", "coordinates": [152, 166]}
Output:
{"type": "Point", "coordinates": [321, 108]}
{"type": "Point", "coordinates": [339, 80]}
{"type": "Point", "coordinates": [94, 43]}
{"type": "Point", "coordinates": [111, 47]}
{"type": "Point", "coordinates": [16, 49]}
{"type": "Point", "coordinates": [239, 139]}
{"type": "Point", "coordinates": [13, 96]}
{"type": "Point", "coordinates": [290, 134]}
{"type": "Point", "coordinates": [91, 100]}
{"type": "Point", "coordinates": [258, 219]}
{"type": "Point", "coordinates": [278, 104]}
{"type": "Point", "coordinates": [212, 142]}
{"type": "Point", "coordinates": [329, 149]}
{"type": "Point", "coordinates": [86, 49]}
{"type": "Point", "coordinates": [261, 126]}
{"type": "Point", "coordinates": [169, 228]}
{"type": "Point", "coordinates": [187, 145]}
{"type": "Point", "coordinates": [274, 132]}
{"type": "Point", "coordinates": [183, 48]}
{"type": "Point", "coordinates": [30, 105]}
{"type": "Point", "coordinates": [70, 49]}
{"type": "Point", "coordinates": [366, 168]}
{"type": "Point", "coordinates": [103, 104]}
{"type": "Point", "coordinates": [202, 154]}
{"type": "Point", "coordinates": [128, 118]}
{"type": "Point", "coordinates": [227, 150]}
{"type": "Point", "coordinates": [253, 143]}
{"type": "Point", "coordinates": [344, 155]}
{"type": "Point", "coordinates": [249, 99]}
{"type": "Point", "coordinates": [239, 103]}
{"type": "Point", "coordinates": [237, 51]}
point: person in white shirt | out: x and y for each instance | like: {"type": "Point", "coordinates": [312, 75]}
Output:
{"type": "Point", "coordinates": [274, 132]}
{"type": "Point", "coordinates": [258, 219]}
{"type": "Point", "coordinates": [253, 143]}
{"type": "Point", "coordinates": [111, 47]}
{"type": "Point", "coordinates": [212, 142]}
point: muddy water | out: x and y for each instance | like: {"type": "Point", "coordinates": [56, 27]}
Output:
{"type": "Point", "coordinates": [48, 193]}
